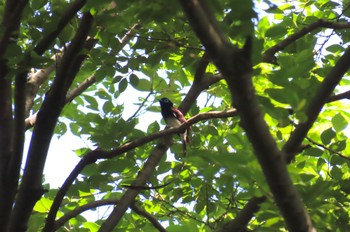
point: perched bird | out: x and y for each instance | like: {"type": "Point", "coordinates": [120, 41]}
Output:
{"type": "Point", "coordinates": [173, 117]}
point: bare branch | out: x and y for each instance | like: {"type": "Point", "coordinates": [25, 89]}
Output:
{"type": "Point", "coordinates": [35, 81]}
{"type": "Point", "coordinates": [141, 105]}
{"type": "Point", "coordinates": [15, 160]}
{"type": "Point", "coordinates": [201, 67]}
{"type": "Point", "coordinates": [129, 35]}
{"type": "Point", "coordinates": [341, 96]}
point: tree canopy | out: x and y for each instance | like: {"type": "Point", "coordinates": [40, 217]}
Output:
{"type": "Point", "coordinates": [262, 83]}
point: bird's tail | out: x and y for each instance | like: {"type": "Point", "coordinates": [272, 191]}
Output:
{"type": "Point", "coordinates": [185, 141]}
{"type": "Point", "coordinates": [184, 148]}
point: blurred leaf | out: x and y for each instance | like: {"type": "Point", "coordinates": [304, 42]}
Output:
{"type": "Point", "coordinates": [327, 136]}
{"type": "Point", "coordinates": [339, 122]}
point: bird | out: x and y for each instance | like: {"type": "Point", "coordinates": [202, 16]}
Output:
{"type": "Point", "coordinates": [173, 117]}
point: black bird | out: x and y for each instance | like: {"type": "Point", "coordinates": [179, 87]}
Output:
{"type": "Point", "coordinates": [173, 117]}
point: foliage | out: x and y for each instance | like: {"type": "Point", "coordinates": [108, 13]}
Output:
{"type": "Point", "coordinates": [141, 51]}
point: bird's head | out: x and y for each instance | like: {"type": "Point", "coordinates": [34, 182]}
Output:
{"type": "Point", "coordinates": [165, 102]}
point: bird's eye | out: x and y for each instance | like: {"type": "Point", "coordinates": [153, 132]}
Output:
{"type": "Point", "coordinates": [166, 100]}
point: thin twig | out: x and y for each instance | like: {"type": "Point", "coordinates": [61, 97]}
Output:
{"type": "Point", "coordinates": [327, 148]}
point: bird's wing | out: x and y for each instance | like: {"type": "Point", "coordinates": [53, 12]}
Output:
{"type": "Point", "coordinates": [178, 114]}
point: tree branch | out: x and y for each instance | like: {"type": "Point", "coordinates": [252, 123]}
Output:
{"type": "Point", "coordinates": [151, 163]}
{"type": "Point", "coordinates": [95, 155]}
{"type": "Point", "coordinates": [235, 65]}
{"type": "Point", "coordinates": [240, 223]}
{"type": "Point", "coordinates": [341, 96]}
{"type": "Point", "coordinates": [149, 217]}
{"type": "Point", "coordinates": [30, 121]}
{"type": "Point", "coordinates": [35, 81]}
{"type": "Point", "coordinates": [80, 209]}
{"type": "Point", "coordinates": [328, 149]}
{"type": "Point", "coordinates": [269, 55]}
{"type": "Point", "coordinates": [67, 15]}
{"type": "Point", "coordinates": [31, 189]}
{"type": "Point", "coordinates": [316, 104]}
{"type": "Point", "coordinates": [15, 160]}
{"type": "Point", "coordinates": [10, 23]}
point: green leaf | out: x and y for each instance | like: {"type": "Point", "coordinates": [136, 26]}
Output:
{"type": "Point", "coordinates": [313, 151]}
{"type": "Point", "coordinates": [276, 31]}
{"type": "Point", "coordinates": [122, 85]}
{"type": "Point", "coordinates": [339, 122]}
{"type": "Point", "coordinates": [335, 48]}
{"type": "Point", "coordinates": [134, 80]}
{"type": "Point", "coordinates": [327, 136]}
{"type": "Point", "coordinates": [43, 205]}
{"type": "Point", "coordinates": [93, 227]}
{"type": "Point", "coordinates": [108, 107]}
{"type": "Point", "coordinates": [336, 173]}
{"type": "Point", "coordinates": [143, 85]}
{"type": "Point", "coordinates": [153, 127]}
{"type": "Point", "coordinates": [92, 102]}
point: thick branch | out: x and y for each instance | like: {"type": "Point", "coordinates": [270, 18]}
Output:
{"type": "Point", "coordinates": [235, 65]}
{"type": "Point", "coordinates": [11, 22]}
{"type": "Point", "coordinates": [9, 32]}
{"type": "Point", "coordinates": [240, 223]}
{"type": "Point", "coordinates": [6, 146]}
{"type": "Point", "coordinates": [15, 160]}
{"type": "Point", "coordinates": [31, 189]}
{"type": "Point", "coordinates": [33, 84]}
{"type": "Point", "coordinates": [315, 106]}
{"type": "Point", "coordinates": [67, 15]}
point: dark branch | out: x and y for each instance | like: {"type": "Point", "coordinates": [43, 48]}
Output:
{"type": "Point", "coordinates": [67, 15]}
{"type": "Point", "coordinates": [149, 217]}
{"type": "Point", "coordinates": [146, 187]}
{"type": "Point", "coordinates": [235, 66]}
{"type": "Point", "coordinates": [341, 96]}
{"type": "Point", "coordinates": [328, 149]}
{"type": "Point", "coordinates": [315, 106]}
{"type": "Point", "coordinates": [269, 55]}
{"type": "Point", "coordinates": [60, 222]}
{"type": "Point", "coordinates": [92, 156]}
{"type": "Point", "coordinates": [15, 161]}
{"type": "Point", "coordinates": [9, 33]}
{"type": "Point", "coordinates": [31, 188]}
{"type": "Point", "coordinates": [240, 223]}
